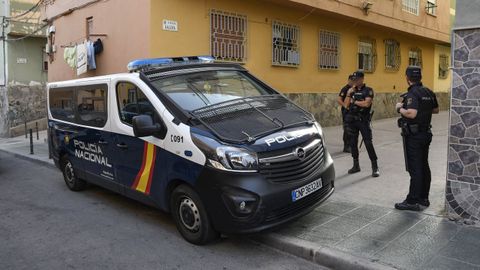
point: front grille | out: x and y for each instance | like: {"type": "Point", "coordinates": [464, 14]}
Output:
{"type": "Point", "coordinates": [289, 168]}
{"type": "Point", "coordinates": [296, 207]}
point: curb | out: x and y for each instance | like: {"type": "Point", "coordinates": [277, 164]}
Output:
{"type": "Point", "coordinates": [331, 258]}
{"type": "Point", "coordinates": [31, 159]}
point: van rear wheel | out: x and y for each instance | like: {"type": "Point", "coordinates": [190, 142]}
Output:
{"type": "Point", "coordinates": [72, 181]}
{"type": "Point", "coordinates": [191, 217]}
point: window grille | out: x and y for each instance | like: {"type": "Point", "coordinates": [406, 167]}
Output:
{"type": "Point", "coordinates": [443, 67]}
{"type": "Point", "coordinates": [431, 7]}
{"type": "Point", "coordinates": [415, 57]}
{"type": "Point", "coordinates": [367, 55]}
{"type": "Point", "coordinates": [392, 55]}
{"type": "Point", "coordinates": [411, 6]}
{"type": "Point", "coordinates": [228, 36]}
{"type": "Point", "coordinates": [329, 50]}
{"type": "Point", "coordinates": [285, 44]}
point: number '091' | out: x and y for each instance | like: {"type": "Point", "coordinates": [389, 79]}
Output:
{"type": "Point", "coordinates": [176, 138]}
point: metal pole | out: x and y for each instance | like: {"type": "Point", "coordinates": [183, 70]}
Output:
{"type": "Point", "coordinates": [26, 131]}
{"type": "Point", "coordinates": [36, 127]}
{"type": "Point", "coordinates": [31, 142]}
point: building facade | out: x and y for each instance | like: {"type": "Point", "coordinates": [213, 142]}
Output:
{"type": "Point", "coordinates": [306, 49]}
{"type": "Point", "coordinates": [463, 178]}
{"type": "Point", "coordinates": [24, 66]}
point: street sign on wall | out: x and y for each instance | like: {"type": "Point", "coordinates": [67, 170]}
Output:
{"type": "Point", "coordinates": [169, 25]}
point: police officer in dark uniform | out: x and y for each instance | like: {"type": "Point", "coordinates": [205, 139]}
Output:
{"type": "Point", "coordinates": [416, 114]}
{"type": "Point", "coordinates": [341, 101]}
{"type": "Point", "coordinates": [359, 103]}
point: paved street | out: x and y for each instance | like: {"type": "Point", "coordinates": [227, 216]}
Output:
{"type": "Point", "coordinates": [43, 225]}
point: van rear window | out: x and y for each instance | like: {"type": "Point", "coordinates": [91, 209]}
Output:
{"type": "Point", "coordinates": [85, 105]}
{"type": "Point", "coordinates": [62, 103]}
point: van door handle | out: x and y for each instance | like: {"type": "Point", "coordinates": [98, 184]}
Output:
{"type": "Point", "coordinates": [102, 142]}
{"type": "Point", "coordinates": [122, 145]}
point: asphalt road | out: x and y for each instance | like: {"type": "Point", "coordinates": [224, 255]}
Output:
{"type": "Point", "coordinates": [43, 225]}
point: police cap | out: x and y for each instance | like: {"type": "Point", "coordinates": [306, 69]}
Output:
{"type": "Point", "coordinates": [414, 72]}
{"type": "Point", "coordinates": [358, 74]}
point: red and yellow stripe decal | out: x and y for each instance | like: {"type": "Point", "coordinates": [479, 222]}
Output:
{"type": "Point", "coordinates": [144, 177]}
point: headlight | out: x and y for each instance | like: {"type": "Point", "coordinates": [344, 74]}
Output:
{"type": "Point", "coordinates": [226, 158]}
{"type": "Point", "coordinates": [236, 158]}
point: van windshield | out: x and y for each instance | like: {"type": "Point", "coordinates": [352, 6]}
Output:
{"type": "Point", "coordinates": [197, 90]}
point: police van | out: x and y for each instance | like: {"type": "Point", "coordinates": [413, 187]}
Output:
{"type": "Point", "coordinates": [208, 142]}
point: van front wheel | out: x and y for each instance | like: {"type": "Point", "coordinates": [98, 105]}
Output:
{"type": "Point", "coordinates": [73, 183]}
{"type": "Point", "coordinates": [191, 217]}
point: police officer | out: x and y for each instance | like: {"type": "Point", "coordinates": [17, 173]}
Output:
{"type": "Point", "coordinates": [341, 101]}
{"type": "Point", "coordinates": [416, 114]}
{"type": "Point", "coordinates": [358, 102]}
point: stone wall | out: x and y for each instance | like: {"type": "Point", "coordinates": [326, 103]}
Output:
{"type": "Point", "coordinates": [3, 111]}
{"type": "Point", "coordinates": [326, 110]}
{"type": "Point", "coordinates": [463, 178]}
{"type": "Point", "coordinates": [25, 103]}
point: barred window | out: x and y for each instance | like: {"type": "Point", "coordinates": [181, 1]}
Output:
{"type": "Point", "coordinates": [329, 50]}
{"type": "Point", "coordinates": [411, 6]}
{"type": "Point", "coordinates": [228, 36]}
{"type": "Point", "coordinates": [415, 57]}
{"type": "Point", "coordinates": [443, 67]}
{"type": "Point", "coordinates": [285, 44]}
{"type": "Point", "coordinates": [367, 55]}
{"type": "Point", "coordinates": [392, 55]}
{"type": "Point", "coordinates": [431, 7]}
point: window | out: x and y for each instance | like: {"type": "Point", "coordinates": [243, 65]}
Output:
{"type": "Point", "coordinates": [61, 103]}
{"type": "Point", "coordinates": [415, 57]}
{"type": "Point", "coordinates": [92, 105]}
{"type": "Point", "coordinates": [411, 6]}
{"type": "Point", "coordinates": [197, 90]}
{"type": "Point", "coordinates": [431, 7]}
{"type": "Point", "coordinates": [89, 26]}
{"type": "Point", "coordinates": [392, 55]}
{"type": "Point", "coordinates": [285, 44]}
{"type": "Point", "coordinates": [45, 60]}
{"type": "Point", "coordinates": [443, 67]}
{"type": "Point", "coordinates": [228, 36]}
{"type": "Point", "coordinates": [132, 102]}
{"type": "Point", "coordinates": [329, 50]}
{"type": "Point", "coordinates": [366, 55]}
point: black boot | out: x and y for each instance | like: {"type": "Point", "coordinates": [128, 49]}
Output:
{"type": "Point", "coordinates": [407, 206]}
{"type": "Point", "coordinates": [375, 171]}
{"type": "Point", "coordinates": [355, 168]}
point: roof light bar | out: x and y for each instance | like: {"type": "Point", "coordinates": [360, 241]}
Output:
{"type": "Point", "coordinates": [145, 64]}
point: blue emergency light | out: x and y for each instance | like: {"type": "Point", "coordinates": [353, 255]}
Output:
{"type": "Point", "coordinates": [145, 64]}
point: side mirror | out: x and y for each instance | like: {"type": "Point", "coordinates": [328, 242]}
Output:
{"type": "Point", "coordinates": [144, 126]}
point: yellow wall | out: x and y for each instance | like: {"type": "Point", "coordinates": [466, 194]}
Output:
{"type": "Point", "coordinates": [193, 39]}
{"type": "Point", "coordinates": [441, 85]}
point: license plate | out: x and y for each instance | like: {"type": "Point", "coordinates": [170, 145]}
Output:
{"type": "Point", "coordinates": [306, 190]}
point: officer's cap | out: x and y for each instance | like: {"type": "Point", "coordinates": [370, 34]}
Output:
{"type": "Point", "coordinates": [414, 72]}
{"type": "Point", "coordinates": [358, 74]}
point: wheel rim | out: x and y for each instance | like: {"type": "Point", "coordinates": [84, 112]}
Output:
{"type": "Point", "coordinates": [69, 173]}
{"type": "Point", "coordinates": [189, 214]}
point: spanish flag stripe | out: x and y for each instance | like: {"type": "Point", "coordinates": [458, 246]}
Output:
{"type": "Point", "coordinates": [144, 177]}
{"type": "Point", "coordinates": [151, 171]}
{"type": "Point", "coordinates": [142, 167]}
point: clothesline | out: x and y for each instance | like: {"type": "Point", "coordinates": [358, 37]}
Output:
{"type": "Point", "coordinates": [80, 40]}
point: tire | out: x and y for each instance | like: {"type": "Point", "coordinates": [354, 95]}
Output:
{"type": "Point", "coordinates": [191, 217]}
{"type": "Point", "coordinates": [73, 183]}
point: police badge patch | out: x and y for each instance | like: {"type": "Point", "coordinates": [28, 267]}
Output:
{"type": "Point", "coordinates": [409, 101]}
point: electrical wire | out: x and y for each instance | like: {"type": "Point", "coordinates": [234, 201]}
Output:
{"type": "Point", "coordinates": [27, 35]}
{"type": "Point", "coordinates": [27, 11]}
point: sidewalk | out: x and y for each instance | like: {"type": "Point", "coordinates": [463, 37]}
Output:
{"type": "Point", "coordinates": [357, 228]}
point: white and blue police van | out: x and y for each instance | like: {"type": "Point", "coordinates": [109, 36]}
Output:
{"type": "Point", "coordinates": [208, 142]}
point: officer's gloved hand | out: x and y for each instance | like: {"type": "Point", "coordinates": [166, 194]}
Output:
{"type": "Point", "coordinates": [398, 106]}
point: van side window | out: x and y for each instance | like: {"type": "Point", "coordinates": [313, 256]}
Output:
{"type": "Point", "coordinates": [62, 103]}
{"type": "Point", "coordinates": [131, 102]}
{"type": "Point", "coordinates": [92, 105]}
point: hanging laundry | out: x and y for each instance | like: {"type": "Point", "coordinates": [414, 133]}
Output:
{"type": "Point", "coordinates": [70, 56]}
{"type": "Point", "coordinates": [91, 56]}
{"type": "Point", "coordinates": [81, 58]}
{"type": "Point", "coordinates": [98, 45]}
